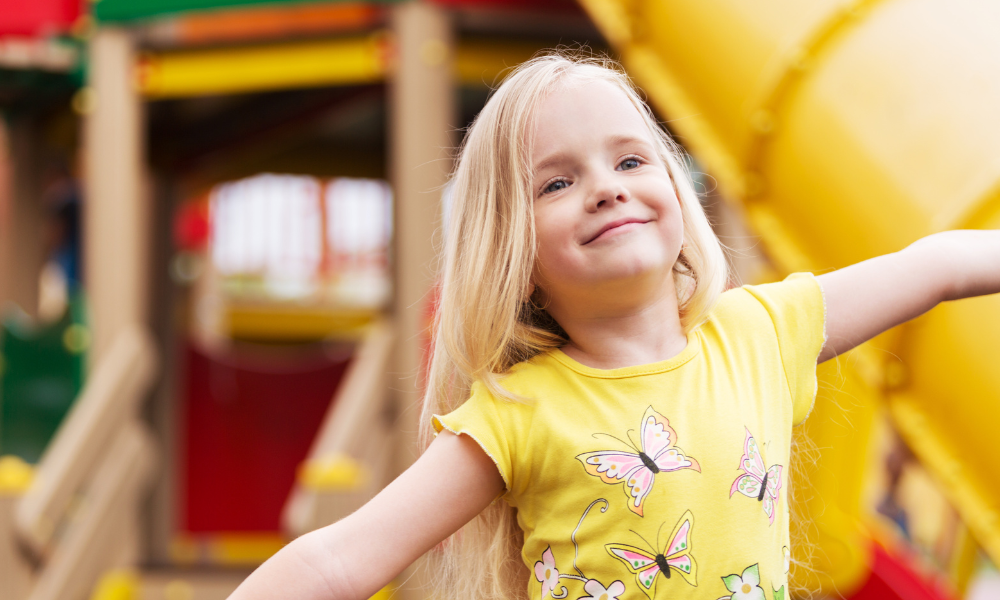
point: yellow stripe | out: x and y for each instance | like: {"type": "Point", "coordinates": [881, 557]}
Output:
{"type": "Point", "coordinates": [345, 61]}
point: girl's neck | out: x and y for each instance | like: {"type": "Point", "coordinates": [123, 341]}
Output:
{"type": "Point", "coordinates": [615, 336]}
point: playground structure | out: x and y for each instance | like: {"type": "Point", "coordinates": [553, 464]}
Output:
{"type": "Point", "coordinates": [837, 129]}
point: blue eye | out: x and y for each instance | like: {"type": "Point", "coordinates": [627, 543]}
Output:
{"type": "Point", "coordinates": [555, 186]}
{"type": "Point", "coordinates": [629, 163]}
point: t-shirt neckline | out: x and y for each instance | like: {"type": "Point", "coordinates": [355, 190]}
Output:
{"type": "Point", "coordinates": [690, 351]}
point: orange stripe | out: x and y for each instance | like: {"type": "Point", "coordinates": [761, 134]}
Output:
{"type": "Point", "coordinates": [271, 22]}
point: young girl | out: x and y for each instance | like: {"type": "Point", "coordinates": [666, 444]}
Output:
{"type": "Point", "coordinates": [614, 425]}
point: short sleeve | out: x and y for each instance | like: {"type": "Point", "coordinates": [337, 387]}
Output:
{"type": "Point", "coordinates": [479, 419]}
{"type": "Point", "coordinates": [798, 311]}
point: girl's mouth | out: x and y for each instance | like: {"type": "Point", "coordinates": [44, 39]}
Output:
{"type": "Point", "coordinates": [615, 227]}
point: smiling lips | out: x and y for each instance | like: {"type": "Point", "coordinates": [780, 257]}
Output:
{"type": "Point", "coordinates": [614, 225]}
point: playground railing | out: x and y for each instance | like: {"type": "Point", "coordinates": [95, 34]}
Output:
{"type": "Point", "coordinates": [78, 517]}
{"type": "Point", "coordinates": [350, 459]}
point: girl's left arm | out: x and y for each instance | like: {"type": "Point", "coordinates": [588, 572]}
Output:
{"type": "Point", "coordinates": [870, 297]}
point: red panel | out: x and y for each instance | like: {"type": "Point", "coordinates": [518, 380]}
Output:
{"type": "Point", "coordinates": [892, 578]}
{"type": "Point", "coordinates": [249, 422]}
{"type": "Point", "coordinates": [38, 17]}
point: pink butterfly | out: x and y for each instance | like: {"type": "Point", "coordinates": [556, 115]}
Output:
{"type": "Point", "coordinates": [676, 556]}
{"type": "Point", "coordinates": [755, 482]}
{"type": "Point", "coordinates": [638, 470]}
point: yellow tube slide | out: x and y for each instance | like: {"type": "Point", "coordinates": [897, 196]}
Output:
{"type": "Point", "coordinates": [848, 130]}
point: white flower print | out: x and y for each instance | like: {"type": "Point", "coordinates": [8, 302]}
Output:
{"type": "Point", "coordinates": [597, 590]}
{"type": "Point", "coordinates": [546, 572]}
{"type": "Point", "coordinates": [788, 558]}
{"type": "Point", "coordinates": [746, 586]}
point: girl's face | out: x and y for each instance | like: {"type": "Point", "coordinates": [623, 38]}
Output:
{"type": "Point", "coordinates": [606, 212]}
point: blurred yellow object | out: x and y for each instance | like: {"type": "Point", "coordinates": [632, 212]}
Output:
{"type": "Point", "coordinates": [15, 475]}
{"type": "Point", "coordinates": [485, 62]}
{"type": "Point", "coordinates": [333, 473]}
{"type": "Point", "coordinates": [849, 130]}
{"type": "Point", "coordinates": [345, 61]}
{"type": "Point", "coordinates": [385, 593]}
{"type": "Point", "coordinates": [248, 549]}
{"type": "Point", "coordinates": [117, 585]}
{"type": "Point", "coordinates": [76, 338]}
{"type": "Point", "coordinates": [295, 322]}
{"type": "Point", "coordinates": [231, 549]}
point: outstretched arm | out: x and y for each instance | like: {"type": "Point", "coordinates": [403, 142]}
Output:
{"type": "Point", "coordinates": [355, 557]}
{"type": "Point", "coordinates": [870, 297]}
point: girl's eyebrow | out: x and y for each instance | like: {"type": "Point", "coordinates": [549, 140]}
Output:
{"type": "Point", "coordinates": [626, 140]}
{"type": "Point", "coordinates": [550, 160]}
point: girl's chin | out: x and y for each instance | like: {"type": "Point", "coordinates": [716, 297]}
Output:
{"type": "Point", "coordinates": [635, 271]}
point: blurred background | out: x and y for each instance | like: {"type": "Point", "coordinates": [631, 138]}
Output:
{"type": "Point", "coordinates": [218, 225]}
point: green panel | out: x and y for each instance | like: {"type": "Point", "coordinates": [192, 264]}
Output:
{"type": "Point", "coordinates": [128, 10]}
{"type": "Point", "coordinates": [41, 374]}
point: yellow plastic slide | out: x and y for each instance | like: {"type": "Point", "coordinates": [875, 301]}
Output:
{"type": "Point", "coordinates": [849, 130]}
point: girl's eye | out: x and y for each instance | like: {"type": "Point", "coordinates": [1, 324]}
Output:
{"type": "Point", "coordinates": [629, 163]}
{"type": "Point", "coordinates": [555, 186]}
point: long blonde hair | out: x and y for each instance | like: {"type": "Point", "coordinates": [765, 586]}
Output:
{"type": "Point", "coordinates": [485, 323]}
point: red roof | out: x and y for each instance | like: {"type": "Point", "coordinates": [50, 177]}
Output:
{"type": "Point", "coordinates": [38, 17]}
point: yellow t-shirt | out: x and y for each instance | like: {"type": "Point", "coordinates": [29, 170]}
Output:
{"type": "Point", "coordinates": [664, 480]}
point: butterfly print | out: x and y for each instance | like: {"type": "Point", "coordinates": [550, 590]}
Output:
{"type": "Point", "coordinates": [638, 470]}
{"type": "Point", "coordinates": [756, 483]}
{"type": "Point", "coordinates": [676, 557]}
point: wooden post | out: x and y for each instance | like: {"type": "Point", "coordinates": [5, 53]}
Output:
{"type": "Point", "coordinates": [6, 224]}
{"type": "Point", "coordinates": [115, 209]}
{"type": "Point", "coordinates": [15, 569]}
{"type": "Point", "coordinates": [422, 119]}
{"type": "Point", "coordinates": [22, 243]}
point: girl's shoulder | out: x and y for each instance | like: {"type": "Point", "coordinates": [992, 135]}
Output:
{"type": "Point", "coordinates": [799, 293]}
{"type": "Point", "coordinates": [792, 312]}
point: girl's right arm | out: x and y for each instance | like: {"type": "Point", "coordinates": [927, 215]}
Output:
{"type": "Point", "coordinates": [355, 557]}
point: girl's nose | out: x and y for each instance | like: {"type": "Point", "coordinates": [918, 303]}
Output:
{"type": "Point", "coordinates": [607, 192]}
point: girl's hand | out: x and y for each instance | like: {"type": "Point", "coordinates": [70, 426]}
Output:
{"type": "Point", "coordinates": [868, 298]}
{"type": "Point", "coordinates": [355, 557]}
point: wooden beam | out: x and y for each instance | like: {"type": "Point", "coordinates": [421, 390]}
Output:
{"type": "Point", "coordinates": [15, 566]}
{"type": "Point", "coordinates": [422, 119]}
{"type": "Point", "coordinates": [109, 400]}
{"type": "Point", "coordinates": [353, 431]}
{"type": "Point", "coordinates": [115, 211]}
{"type": "Point", "coordinates": [421, 125]}
{"type": "Point", "coordinates": [104, 535]}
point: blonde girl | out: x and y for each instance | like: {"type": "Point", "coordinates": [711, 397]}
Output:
{"type": "Point", "coordinates": [611, 423]}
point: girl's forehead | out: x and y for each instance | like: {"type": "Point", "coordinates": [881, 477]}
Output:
{"type": "Point", "coordinates": [583, 111]}
{"type": "Point", "coordinates": [583, 94]}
